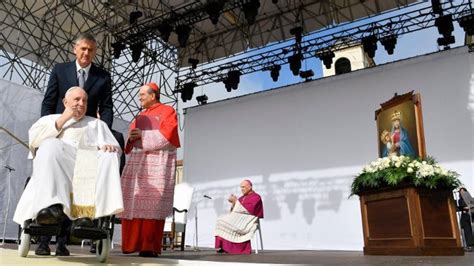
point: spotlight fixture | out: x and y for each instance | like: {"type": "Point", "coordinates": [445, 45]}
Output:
{"type": "Point", "coordinates": [370, 45]}
{"type": "Point", "coordinates": [202, 100]}
{"type": "Point", "coordinates": [306, 74]}
{"type": "Point", "coordinates": [136, 51]}
{"type": "Point", "coordinates": [467, 23]}
{"type": "Point", "coordinates": [437, 7]}
{"type": "Point", "coordinates": [165, 31]}
{"type": "Point", "coordinates": [118, 46]}
{"type": "Point", "coordinates": [389, 42]}
{"type": "Point", "coordinates": [250, 10]}
{"type": "Point", "coordinates": [183, 32]}
{"type": "Point", "coordinates": [194, 62]}
{"type": "Point", "coordinates": [187, 91]}
{"type": "Point", "coordinates": [232, 81]}
{"type": "Point", "coordinates": [275, 72]}
{"type": "Point", "coordinates": [295, 63]}
{"type": "Point", "coordinates": [134, 15]}
{"type": "Point", "coordinates": [214, 9]}
{"type": "Point", "coordinates": [445, 28]}
{"type": "Point", "coordinates": [298, 33]}
{"type": "Point", "coordinates": [326, 56]}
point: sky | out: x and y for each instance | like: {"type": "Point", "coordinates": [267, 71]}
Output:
{"type": "Point", "coordinates": [408, 45]}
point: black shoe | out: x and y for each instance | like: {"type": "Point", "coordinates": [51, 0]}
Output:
{"type": "Point", "coordinates": [93, 248]}
{"type": "Point", "coordinates": [220, 251]}
{"type": "Point", "coordinates": [61, 250]}
{"type": "Point", "coordinates": [148, 254]}
{"type": "Point", "coordinates": [52, 215]}
{"type": "Point", "coordinates": [43, 250]}
{"type": "Point", "coordinates": [83, 222]}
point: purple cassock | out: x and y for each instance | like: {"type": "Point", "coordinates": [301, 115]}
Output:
{"type": "Point", "coordinates": [252, 202]}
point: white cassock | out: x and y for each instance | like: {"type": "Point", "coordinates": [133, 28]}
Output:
{"type": "Point", "coordinates": [70, 169]}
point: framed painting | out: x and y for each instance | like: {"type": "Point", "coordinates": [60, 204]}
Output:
{"type": "Point", "coordinates": [400, 126]}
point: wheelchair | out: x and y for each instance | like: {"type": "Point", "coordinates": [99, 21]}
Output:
{"type": "Point", "coordinates": [102, 234]}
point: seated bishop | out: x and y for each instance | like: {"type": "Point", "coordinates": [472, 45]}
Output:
{"type": "Point", "coordinates": [235, 229]}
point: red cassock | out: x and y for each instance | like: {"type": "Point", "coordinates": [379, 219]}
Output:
{"type": "Point", "coordinates": [148, 179]}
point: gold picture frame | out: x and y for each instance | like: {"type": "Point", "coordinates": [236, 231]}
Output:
{"type": "Point", "coordinates": [400, 126]}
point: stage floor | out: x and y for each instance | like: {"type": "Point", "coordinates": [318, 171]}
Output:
{"type": "Point", "coordinates": [9, 256]}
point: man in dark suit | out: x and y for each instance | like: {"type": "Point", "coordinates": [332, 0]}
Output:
{"type": "Point", "coordinates": [97, 83]}
{"type": "Point", "coordinates": [83, 73]}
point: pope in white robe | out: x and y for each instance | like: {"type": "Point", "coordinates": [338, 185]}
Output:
{"type": "Point", "coordinates": [75, 164]}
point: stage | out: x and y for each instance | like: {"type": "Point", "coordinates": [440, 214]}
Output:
{"type": "Point", "coordinates": [9, 256]}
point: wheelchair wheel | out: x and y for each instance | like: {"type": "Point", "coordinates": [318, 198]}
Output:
{"type": "Point", "coordinates": [24, 245]}
{"type": "Point", "coordinates": [102, 249]}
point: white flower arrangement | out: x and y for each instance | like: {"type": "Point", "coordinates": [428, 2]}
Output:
{"type": "Point", "coordinates": [397, 170]}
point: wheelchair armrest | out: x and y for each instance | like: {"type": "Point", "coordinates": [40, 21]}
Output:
{"type": "Point", "coordinates": [177, 210]}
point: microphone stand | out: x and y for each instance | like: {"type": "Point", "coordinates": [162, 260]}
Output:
{"type": "Point", "coordinates": [10, 170]}
{"type": "Point", "coordinates": [196, 225]}
{"type": "Point", "coordinates": [196, 246]}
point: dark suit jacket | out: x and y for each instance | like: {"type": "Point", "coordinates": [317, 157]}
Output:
{"type": "Point", "coordinates": [119, 137]}
{"type": "Point", "coordinates": [98, 87]}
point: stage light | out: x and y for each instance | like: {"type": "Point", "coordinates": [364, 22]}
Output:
{"type": "Point", "coordinates": [232, 81]}
{"type": "Point", "coordinates": [306, 74]}
{"type": "Point", "coordinates": [118, 47]}
{"type": "Point", "coordinates": [275, 72]}
{"type": "Point", "coordinates": [188, 91]}
{"type": "Point", "coordinates": [446, 42]}
{"type": "Point", "coordinates": [214, 9]}
{"type": "Point", "coordinates": [136, 51]}
{"type": "Point", "coordinates": [295, 63]}
{"type": "Point", "coordinates": [298, 33]}
{"type": "Point", "coordinates": [445, 28]}
{"type": "Point", "coordinates": [250, 10]}
{"type": "Point", "coordinates": [370, 45]}
{"type": "Point", "coordinates": [134, 15]}
{"type": "Point", "coordinates": [194, 62]}
{"type": "Point", "coordinates": [165, 31]}
{"type": "Point", "coordinates": [467, 23]}
{"type": "Point", "coordinates": [389, 43]}
{"type": "Point", "coordinates": [202, 100]}
{"type": "Point", "coordinates": [437, 7]}
{"type": "Point", "coordinates": [326, 56]}
{"type": "Point", "coordinates": [183, 32]}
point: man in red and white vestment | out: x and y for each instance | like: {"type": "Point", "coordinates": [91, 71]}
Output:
{"type": "Point", "coordinates": [148, 178]}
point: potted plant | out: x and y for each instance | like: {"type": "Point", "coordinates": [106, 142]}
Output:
{"type": "Point", "coordinates": [407, 207]}
{"type": "Point", "coordinates": [401, 170]}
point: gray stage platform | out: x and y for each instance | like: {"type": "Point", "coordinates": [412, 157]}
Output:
{"type": "Point", "coordinates": [209, 257]}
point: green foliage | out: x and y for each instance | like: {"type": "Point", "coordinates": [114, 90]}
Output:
{"type": "Point", "coordinates": [402, 170]}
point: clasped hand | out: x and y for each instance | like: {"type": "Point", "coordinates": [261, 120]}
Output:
{"type": "Point", "coordinates": [232, 198]}
{"type": "Point", "coordinates": [135, 134]}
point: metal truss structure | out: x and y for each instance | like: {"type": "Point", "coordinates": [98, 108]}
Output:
{"type": "Point", "coordinates": [323, 41]}
{"type": "Point", "coordinates": [35, 35]}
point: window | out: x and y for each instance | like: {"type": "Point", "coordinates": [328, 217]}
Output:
{"type": "Point", "coordinates": [343, 65]}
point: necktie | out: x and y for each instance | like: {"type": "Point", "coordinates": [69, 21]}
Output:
{"type": "Point", "coordinates": [82, 79]}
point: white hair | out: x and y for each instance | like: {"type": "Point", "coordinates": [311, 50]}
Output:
{"type": "Point", "coordinates": [70, 90]}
